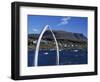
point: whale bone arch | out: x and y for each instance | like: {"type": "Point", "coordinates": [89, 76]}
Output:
{"type": "Point", "coordinates": [38, 44]}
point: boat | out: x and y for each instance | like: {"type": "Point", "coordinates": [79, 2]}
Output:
{"type": "Point", "coordinates": [46, 53]}
{"type": "Point", "coordinates": [75, 50]}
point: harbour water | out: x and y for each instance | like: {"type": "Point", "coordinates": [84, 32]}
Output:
{"type": "Point", "coordinates": [66, 57]}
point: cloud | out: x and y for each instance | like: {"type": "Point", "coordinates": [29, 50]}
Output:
{"type": "Point", "coordinates": [35, 30]}
{"type": "Point", "coordinates": [64, 21]}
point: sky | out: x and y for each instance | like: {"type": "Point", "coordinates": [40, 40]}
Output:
{"type": "Point", "coordinates": [66, 23]}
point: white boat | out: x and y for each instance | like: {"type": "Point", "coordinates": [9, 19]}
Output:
{"type": "Point", "coordinates": [75, 50]}
{"type": "Point", "coordinates": [46, 53]}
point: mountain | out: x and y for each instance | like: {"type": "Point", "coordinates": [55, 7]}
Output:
{"type": "Point", "coordinates": [61, 35]}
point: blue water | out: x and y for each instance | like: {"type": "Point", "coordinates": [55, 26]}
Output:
{"type": "Point", "coordinates": [67, 57]}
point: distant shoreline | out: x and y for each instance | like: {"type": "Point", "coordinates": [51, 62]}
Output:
{"type": "Point", "coordinates": [30, 49]}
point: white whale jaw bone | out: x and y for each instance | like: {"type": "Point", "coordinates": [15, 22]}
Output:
{"type": "Point", "coordinates": [38, 44]}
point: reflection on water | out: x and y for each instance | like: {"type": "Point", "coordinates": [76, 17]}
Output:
{"type": "Point", "coordinates": [67, 57]}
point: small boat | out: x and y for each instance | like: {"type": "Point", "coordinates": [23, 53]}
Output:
{"type": "Point", "coordinates": [46, 53]}
{"type": "Point", "coordinates": [75, 50]}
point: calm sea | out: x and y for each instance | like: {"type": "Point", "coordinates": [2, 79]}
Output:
{"type": "Point", "coordinates": [67, 57]}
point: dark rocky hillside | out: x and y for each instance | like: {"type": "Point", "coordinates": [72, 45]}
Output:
{"type": "Point", "coordinates": [61, 35]}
